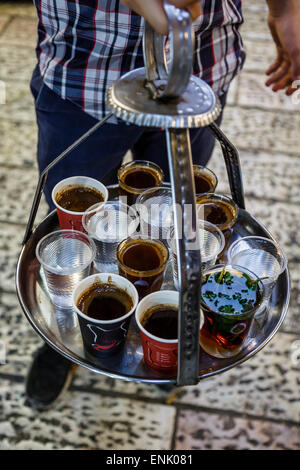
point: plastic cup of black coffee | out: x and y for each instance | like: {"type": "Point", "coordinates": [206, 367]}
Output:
{"type": "Point", "coordinates": [103, 338]}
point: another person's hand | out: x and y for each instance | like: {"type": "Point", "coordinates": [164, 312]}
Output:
{"type": "Point", "coordinates": [284, 24]}
{"type": "Point", "coordinates": [154, 12]}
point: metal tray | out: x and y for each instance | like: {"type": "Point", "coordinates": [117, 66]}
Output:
{"type": "Point", "coordinates": [60, 328]}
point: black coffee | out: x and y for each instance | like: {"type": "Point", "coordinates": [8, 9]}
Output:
{"type": "Point", "coordinates": [161, 321]}
{"type": "Point", "coordinates": [78, 198]}
{"type": "Point", "coordinates": [104, 301]}
{"type": "Point", "coordinates": [202, 184]}
{"type": "Point", "coordinates": [141, 178]}
{"type": "Point", "coordinates": [142, 256]}
{"type": "Point", "coordinates": [218, 212]}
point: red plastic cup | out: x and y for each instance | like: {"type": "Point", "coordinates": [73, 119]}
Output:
{"type": "Point", "coordinates": [159, 354]}
{"type": "Point", "coordinates": [71, 220]}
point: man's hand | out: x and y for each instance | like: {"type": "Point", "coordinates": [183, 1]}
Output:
{"type": "Point", "coordinates": [154, 12]}
{"type": "Point", "coordinates": [284, 24]}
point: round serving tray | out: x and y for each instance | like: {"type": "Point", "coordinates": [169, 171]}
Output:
{"type": "Point", "coordinates": [60, 328]}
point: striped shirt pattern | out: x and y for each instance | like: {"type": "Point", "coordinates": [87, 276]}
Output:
{"type": "Point", "coordinates": [84, 46]}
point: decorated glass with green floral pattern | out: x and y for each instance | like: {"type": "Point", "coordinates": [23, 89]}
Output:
{"type": "Point", "coordinates": [230, 296]}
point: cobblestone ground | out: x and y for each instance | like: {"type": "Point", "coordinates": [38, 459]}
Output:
{"type": "Point", "coordinates": [253, 406]}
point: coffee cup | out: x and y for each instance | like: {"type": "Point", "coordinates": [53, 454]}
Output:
{"type": "Point", "coordinates": [104, 303]}
{"type": "Point", "coordinates": [160, 353]}
{"type": "Point", "coordinates": [84, 191]}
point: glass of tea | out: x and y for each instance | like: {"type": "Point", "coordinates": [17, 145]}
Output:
{"type": "Point", "coordinates": [136, 176]}
{"type": "Point", "coordinates": [217, 209]}
{"type": "Point", "coordinates": [104, 304]}
{"type": "Point", "coordinates": [157, 318]}
{"type": "Point", "coordinates": [73, 196]}
{"type": "Point", "coordinates": [205, 180]}
{"type": "Point", "coordinates": [230, 297]}
{"type": "Point", "coordinates": [143, 261]}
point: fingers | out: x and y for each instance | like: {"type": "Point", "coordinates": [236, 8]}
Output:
{"type": "Point", "coordinates": [295, 86]}
{"type": "Point", "coordinates": [194, 11]}
{"type": "Point", "coordinates": [295, 56]}
{"type": "Point", "coordinates": [274, 66]}
{"type": "Point", "coordinates": [282, 74]}
{"type": "Point", "coordinates": [279, 73]}
{"type": "Point", "coordinates": [193, 6]}
{"type": "Point", "coordinates": [283, 83]}
{"type": "Point", "coordinates": [282, 78]}
{"type": "Point", "coordinates": [154, 11]}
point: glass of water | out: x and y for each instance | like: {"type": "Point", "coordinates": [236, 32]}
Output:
{"type": "Point", "coordinates": [211, 241]}
{"type": "Point", "coordinates": [108, 224]}
{"type": "Point", "coordinates": [263, 256]}
{"type": "Point", "coordinates": [156, 212]}
{"type": "Point", "coordinates": [66, 258]}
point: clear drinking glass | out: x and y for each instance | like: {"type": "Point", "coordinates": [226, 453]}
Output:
{"type": "Point", "coordinates": [108, 224]}
{"type": "Point", "coordinates": [211, 241]}
{"type": "Point", "coordinates": [66, 257]}
{"type": "Point", "coordinates": [156, 212]}
{"type": "Point", "coordinates": [263, 256]}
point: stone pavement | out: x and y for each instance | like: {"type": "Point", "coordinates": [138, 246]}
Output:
{"type": "Point", "coordinates": [253, 406]}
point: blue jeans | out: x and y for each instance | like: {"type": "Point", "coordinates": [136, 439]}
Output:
{"type": "Point", "coordinates": [60, 123]}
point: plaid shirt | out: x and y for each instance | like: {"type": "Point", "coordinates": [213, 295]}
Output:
{"type": "Point", "coordinates": [84, 46]}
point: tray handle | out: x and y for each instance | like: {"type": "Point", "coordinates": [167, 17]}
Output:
{"type": "Point", "coordinates": [176, 76]}
{"type": "Point", "coordinates": [44, 174]}
{"type": "Point", "coordinates": [233, 166]}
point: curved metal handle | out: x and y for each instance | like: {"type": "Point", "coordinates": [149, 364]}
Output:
{"type": "Point", "coordinates": [232, 161]}
{"type": "Point", "coordinates": [162, 83]}
{"type": "Point", "coordinates": [44, 174]}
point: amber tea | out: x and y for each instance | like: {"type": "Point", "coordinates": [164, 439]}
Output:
{"type": "Point", "coordinates": [135, 177]}
{"type": "Point", "coordinates": [218, 210]}
{"type": "Point", "coordinates": [143, 262]}
{"type": "Point", "coordinates": [205, 180]}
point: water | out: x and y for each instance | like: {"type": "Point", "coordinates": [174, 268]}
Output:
{"type": "Point", "coordinates": [61, 287]}
{"type": "Point", "coordinates": [107, 233]}
{"type": "Point", "coordinates": [66, 261]}
{"type": "Point", "coordinates": [210, 245]}
{"type": "Point", "coordinates": [261, 263]}
{"type": "Point", "coordinates": [204, 265]}
{"type": "Point", "coordinates": [157, 218]}
{"type": "Point", "coordinates": [115, 226]}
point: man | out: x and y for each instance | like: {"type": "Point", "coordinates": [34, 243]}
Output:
{"type": "Point", "coordinates": [85, 46]}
